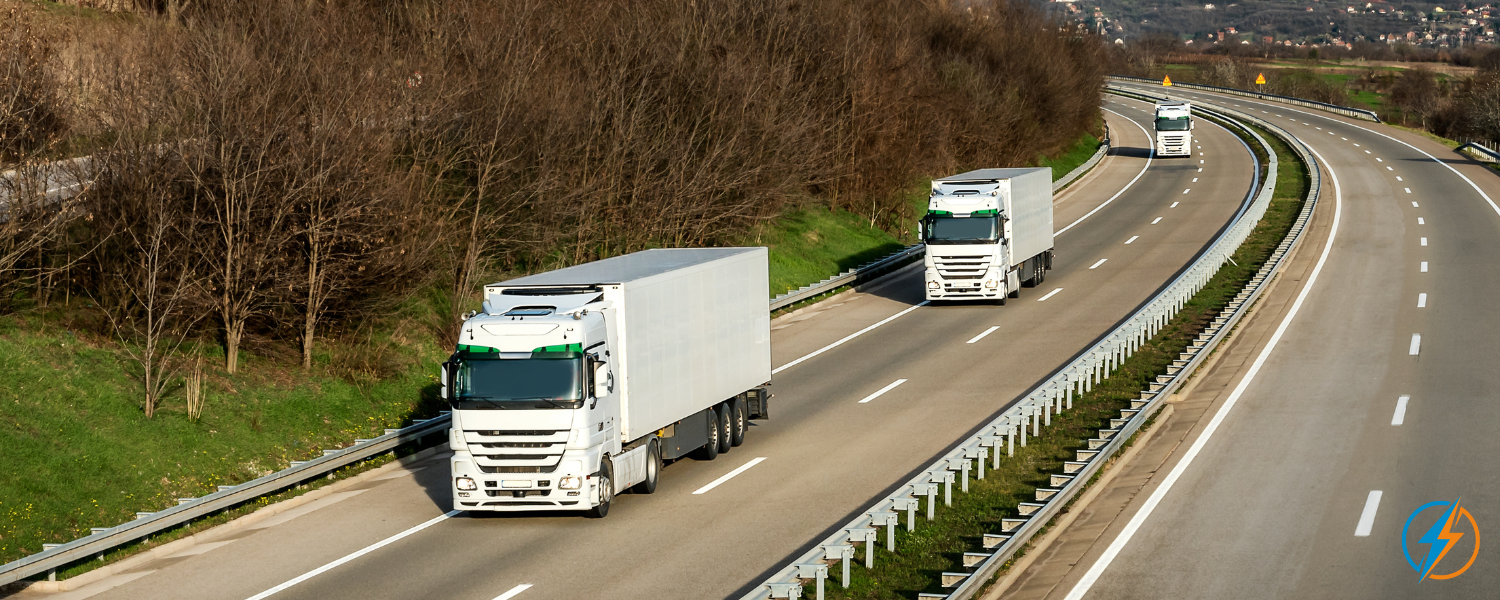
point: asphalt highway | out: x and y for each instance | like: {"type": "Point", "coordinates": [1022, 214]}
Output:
{"type": "Point", "coordinates": [1375, 397]}
{"type": "Point", "coordinates": [822, 456]}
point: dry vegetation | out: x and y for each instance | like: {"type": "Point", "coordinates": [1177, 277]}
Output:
{"type": "Point", "coordinates": [282, 169]}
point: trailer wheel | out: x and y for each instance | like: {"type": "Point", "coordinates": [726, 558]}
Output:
{"type": "Point", "coordinates": [606, 491]}
{"type": "Point", "coordinates": [653, 469]}
{"type": "Point", "coordinates": [710, 450]}
{"type": "Point", "coordinates": [739, 422]}
{"type": "Point", "coordinates": [726, 427]}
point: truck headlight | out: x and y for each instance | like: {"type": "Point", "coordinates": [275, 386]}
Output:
{"type": "Point", "coordinates": [465, 483]}
{"type": "Point", "coordinates": [569, 483]}
{"type": "Point", "coordinates": [932, 285]}
{"type": "Point", "coordinates": [992, 284]}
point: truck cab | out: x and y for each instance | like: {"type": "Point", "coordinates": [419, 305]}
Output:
{"type": "Point", "coordinates": [534, 406]}
{"type": "Point", "coordinates": [987, 233]}
{"type": "Point", "coordinates": [1174, 128]}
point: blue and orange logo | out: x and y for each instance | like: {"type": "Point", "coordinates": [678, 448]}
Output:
{"type": "Point", "coordinates": [1444, 535]}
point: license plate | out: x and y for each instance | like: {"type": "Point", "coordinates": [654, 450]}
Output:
{"type": "Point", "coordinates": [511, 483]}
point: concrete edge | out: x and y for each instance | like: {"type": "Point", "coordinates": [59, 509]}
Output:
{"type": "Point", "coordinates": [219, 531]}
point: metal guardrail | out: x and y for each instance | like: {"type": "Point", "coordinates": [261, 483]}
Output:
{"type": "Point", "coordinates": [876, 268]}
{"type": "Point", "coordinates": [1479, 152]}
{"type": "Point", "coordinates": [146, 524]}
{"type": "Point", "coordinates": [1035, 408]}
{"type": "Point", "coordinates": [1358, 113]}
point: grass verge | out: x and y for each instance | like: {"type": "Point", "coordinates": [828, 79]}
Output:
{"type": "Point", "coordinates": [938, 545]}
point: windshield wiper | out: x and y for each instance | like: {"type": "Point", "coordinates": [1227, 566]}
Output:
{"type": "Point", "coordinates": [485, 399]}
{"type": "Point", "coordinates": [549, 401]}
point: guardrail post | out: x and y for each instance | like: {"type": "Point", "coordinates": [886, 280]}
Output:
{"type": "Point", "coordinates": [963, 467]}
{"type": "Point", "coordinates": [840, 552]}
{"type": "Point", "coordinates": [910, 506]}
{"type": "Point", "coordinates": [887, 519]}
{"type": "Point", "coordinates": [818, 572]}
{"type": "Point", "coordinates": [946, 477]}
{"type": "Point", "coordinates": [929, 490]}
{"type": "Point", "coordinates": [993, 441]}
{"type": "Point", "coordinates": [977, 454]}
{"type": "Point", "coordinates": [788, 590]}
{"type": "Point", "coordinates": [1047, 411]}
{"type": "Point", "coordinates": [867, 536]}
{"type": "Point", "coordinates": [1036, 426]}
{"type": "Point", "coordinates": [1010, 440]}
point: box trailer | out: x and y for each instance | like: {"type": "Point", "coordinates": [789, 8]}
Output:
{"type": "Point", "coordinates": [988, 232]}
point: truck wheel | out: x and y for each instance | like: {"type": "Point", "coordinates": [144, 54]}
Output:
{"type": "Point", "coordinates": [739, 421]}
{"type": "Point", "coordinates": [726, 425]}
{"type": "Point", "coordinates": [999, 301]}
{"type": "Point", "coordinates": [653, 470]}
{"type": "Point", "coordinates": [1015, 293]}
{"type": "Point", "coordinates": [710, 450]}
{"type": "Point", "coordinates": [606, 491]}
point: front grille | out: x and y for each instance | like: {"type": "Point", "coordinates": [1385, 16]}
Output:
{"type": "Point", "coordinates": [516, 445]}
{"type": "Point", "coordinates": [961, 267]}
{"type": "Point", "coordinates": [521, 432]}
{"type": "Point", "coordinates": [496, 470]}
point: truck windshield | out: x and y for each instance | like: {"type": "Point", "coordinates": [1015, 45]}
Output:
{"type": "Point", "coordinates": [1168, 124]}
{"type": "Point", "coordinates": [496, 383]}
{"type": "Point", "coordinates": [961, 230]}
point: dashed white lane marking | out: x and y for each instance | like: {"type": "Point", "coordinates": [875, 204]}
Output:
{"type": "Point", "coordinates": [1330, 133]}
{"type": "Point", "coordinates": [1367, 152]}
{"type": "Point", "coordinates": [1318, 128]}
{"type": "Point", "coordinates": [1400, 416]}
{"type": "Point", "coordinates": [354, 555]}
{"type": "Point", "coordinates": [1424, 241]}
{"type": "Point", "coordinates": [731, 474]}
{"type": "Point", "coordinates": [1158, 220]}
{"type": "Point", "coordinates": [1422, 300]}
{"type": "Point", "coordinates": [1356, 145]}
{"type": "Point", "coordinates": [1416, 345]}
{"type": "Point", "coordinates": [1200, 161]}
{"type": "Point", "coordinates": [981, 336]}
{"type": "Point", "coordinates": [1408, 190]}
{"type": "Point", "coordinates": [1414, 205]}
{"type": "Point", "coordinates": [1149, 158]}
{"type": "Point", "coordinates": [1049, 295]}
{"type": "Point", "coordinates": [1195, 180]}
{"type": "Point", "coordinates": [1367, 517]}
{"type": "Point", "coordinates": [883, 390]}
{"type": "Point", "coordinates": [1421, 221]}
{"type": "Point", "coordinates": [1344, 138]}
{"type": "Point", "coordinates": [1424, 266]}
{"type": "Point", "coordinates": [1398, 177]}
{"type": "Point", "coordinates": [1200, 169]}
{"type": "Point", "coordinates": [847, 338]}
{"type": "Point", "coordinates": [1174, 205]}
{"type": "Point", "coordinates": [1377, 159]}
{"type": "Point", "coordinates": [1096, 265]}
{"type": "Point", "coordinates": [1187, 190]}
{"type": "Point", "coordinates": [1132, 239]}
{"type": "Point", "coordinates": [515, 591]}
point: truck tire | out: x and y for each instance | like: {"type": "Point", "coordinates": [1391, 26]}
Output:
{"type": "Point", "coordinates": [606, 491]}
{"type": "Point", "coordinates": [726, 426]}
{"type": "Point", "coordinates": [739, 421]}
{"type": "Point", "coordinates": [653, 470]}
{"type": "Point", "coordinates": [710, 450]}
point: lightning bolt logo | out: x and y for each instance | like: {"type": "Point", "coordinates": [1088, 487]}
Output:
{"type": "Point", "coordinates": [1441, 531]}
{"type": "Point", "coordinates": [1440, 538]}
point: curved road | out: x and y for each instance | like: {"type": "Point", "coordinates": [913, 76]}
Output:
{"type": "Point", "coordinates": [825, 454]}
{"type": "Point", "coordinates": [1376, 395]}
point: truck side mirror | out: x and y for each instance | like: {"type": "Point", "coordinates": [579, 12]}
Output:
{"type": "Point", "coordinates": [604, 380]}
{"type": "Point", "coordinates": [447, 381]}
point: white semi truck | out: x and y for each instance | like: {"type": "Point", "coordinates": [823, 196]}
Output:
{"type": "Point", "coordinates": [1174, 128]}
{"type": "Point", "coordinates": [577, 384]}
{"type": "Point", "coordinates": [988, 232]}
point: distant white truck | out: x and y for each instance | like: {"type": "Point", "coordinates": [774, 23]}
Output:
{"type": "Point", "coordinates": [1174, 128]}
{"type": "Point", "coordinates": [988, 232]}
{"type": "Point", "coordinates": [576, 384]}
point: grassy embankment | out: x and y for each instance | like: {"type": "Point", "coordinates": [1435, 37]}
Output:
{"type": "Point", "coordinates": [78, 454]}
{"type": "Point", "coordinates": [935, 546]}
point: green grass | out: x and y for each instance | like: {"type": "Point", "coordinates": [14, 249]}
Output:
{"type": "Point", "coordinates": [1077, 155]}
{"type": "Point", "coordinates": [938, 545]}
{"type": "Point", "coordinates": [812, 243]}
{"type": "Point", "coordinates": [79, 452]}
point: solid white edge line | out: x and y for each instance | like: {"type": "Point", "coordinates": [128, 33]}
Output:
{"type": "Point", "coordinates": [1049, 295]}
{"type": "Point", "coordinates": [366, 550]}
{"type": "Point", "coordinates": [515, 591]}
{"type": "Point", "coordinates": [1367, 516]}
{"type": "Point", "coordinates": [1416, 345]}
{"type": "Point", "coordinates": [1132, 239]}
{"type": "Point", "coordinates": [847, 338]}
{"type": "Point", "coordinates": [1096, 265]}
{"type": "Point", "coordinates": [730, 475]}
{"type": "Point", "coordinates": [1495, 207]}
{"type": "Point", "coordinates": [1422, 300]}
{"type": "Point", "coordinates": [981, 336]}
{"type": "Point", "coordinates": [1149, 157]}
{"type": "Point", "coordinates": [1092, 576]}
{"type": "Point", "coordinates": [1400, 416]}
{"type": "Point", "coordinates": [883, 390]}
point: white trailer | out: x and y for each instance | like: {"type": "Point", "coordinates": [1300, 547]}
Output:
{"type": "Point", "coordinates": [988, 232]}
{"type": "Point", "coordinates": [576, 384]}
{"type": "Point", "coordinates": [1174, 128]}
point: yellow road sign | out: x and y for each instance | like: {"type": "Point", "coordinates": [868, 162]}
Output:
{"type": "Point", "coordinates": [1166, 81]}
{"type": "Point", "coordinates": [1260, 79]}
